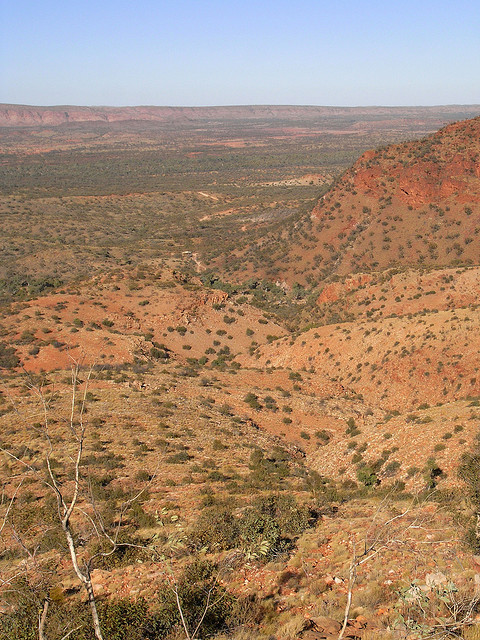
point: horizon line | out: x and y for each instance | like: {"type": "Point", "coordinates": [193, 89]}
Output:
{"type": "Point", "coordinates": [227, 106]}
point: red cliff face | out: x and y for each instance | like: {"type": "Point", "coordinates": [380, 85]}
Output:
{"type": "Point", "coordinates": [443, 165]}
{"type": "Point", "coordinates": [334, 291]}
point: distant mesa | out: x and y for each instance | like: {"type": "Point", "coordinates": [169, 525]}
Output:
{"type": "Point", "coordinates": [12, 115]}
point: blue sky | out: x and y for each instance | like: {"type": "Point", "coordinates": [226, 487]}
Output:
{"type": "Point", "coordinates": [207, 52]}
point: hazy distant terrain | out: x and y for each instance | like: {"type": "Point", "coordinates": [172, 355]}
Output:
{"type": "Point", "coordinates": [24, 115]}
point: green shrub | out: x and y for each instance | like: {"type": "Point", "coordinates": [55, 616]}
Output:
{"type": "Point", "coordinates": [8, 357]}
{"type": "Point", "coordinates": [252, 400]}
{"type": "Point", "coordinates": [273, 521]}
{"type": "Point", "coordinates": [392, 468]}
{"type": "Point", "coordinates": [216, 529]}
{"type": "Point", "coordinates": [123, 619]}
{"type": "Point", "coordinates": [201, 599]}
{"type": "Point", "coordinates": [367, 476]}
{"type": "Point", "coordinates": [432, 472]}
{"type": "Point", "coordinates": [323, 436]}
{"type": "Point", "coordinates": [178, 458]}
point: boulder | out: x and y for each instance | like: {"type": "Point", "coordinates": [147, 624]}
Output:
{"type": "Point", "coordinates": [433, 580]}
{"type": "Point", "coordinates": [322, 623]}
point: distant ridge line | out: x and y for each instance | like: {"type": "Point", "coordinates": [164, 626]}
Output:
{"type": "Point", "coordinates": [15, 115]}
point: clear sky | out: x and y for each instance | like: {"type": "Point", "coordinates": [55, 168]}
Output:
{"type": "Point", "coordinates": [212, 52]}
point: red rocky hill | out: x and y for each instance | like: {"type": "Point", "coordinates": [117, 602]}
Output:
{"type": "Point", "coordinates": [411, 204]}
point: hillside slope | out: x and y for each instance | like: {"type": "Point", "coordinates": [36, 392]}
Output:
{"type": "Point", "coordinates": [412, 204]}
